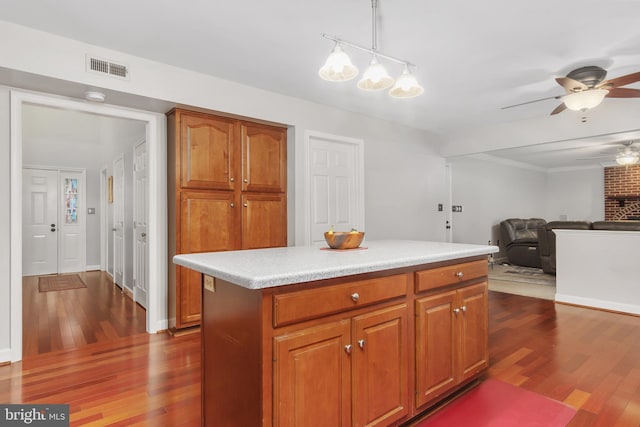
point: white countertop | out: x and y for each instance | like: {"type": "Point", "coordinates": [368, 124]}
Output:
{"type": "Point", "coordinates": [265, 268]}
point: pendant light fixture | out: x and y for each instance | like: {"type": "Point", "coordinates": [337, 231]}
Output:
{"type": "Point", "coordinates": [338, 66]}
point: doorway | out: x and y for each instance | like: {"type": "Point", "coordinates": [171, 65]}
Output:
{"type": "Point", "coordinates": [155, 124]}
{"type": "Point", "coordinates": [54, 225]}
{"type": "Point", "coordinates": [335, 184]}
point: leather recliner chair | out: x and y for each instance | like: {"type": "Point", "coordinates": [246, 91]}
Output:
{"type": "Point", "coordinates": [547, 241]}
{"type": "Point", "coordinates": [520, 239]}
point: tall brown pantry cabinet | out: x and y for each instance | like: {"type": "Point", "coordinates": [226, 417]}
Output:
{"type": "Point", "coordinates": [226, 191]}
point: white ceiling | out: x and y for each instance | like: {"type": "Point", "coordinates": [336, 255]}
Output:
{"type": "Point", "coordinates": [473, 57]}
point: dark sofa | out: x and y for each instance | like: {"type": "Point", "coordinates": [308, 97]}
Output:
{"type": "Point", "coordinates": [520, 239]}
{"type": "Point", "coordinates": [547, 241]}
{"type": "Point", "coordinates": [547, 238]}
{"type": "Point", "coordinates": [532, 242]}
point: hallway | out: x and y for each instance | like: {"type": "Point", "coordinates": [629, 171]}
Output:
{"type": "Point", "coordinates": [70, 319]}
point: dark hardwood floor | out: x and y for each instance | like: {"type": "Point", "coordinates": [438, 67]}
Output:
{"type": "Point", "coordinates": [586, 358]}
{"type": "Point", "coordinates": [75, 317]}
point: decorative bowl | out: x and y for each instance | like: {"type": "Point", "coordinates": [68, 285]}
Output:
{"type": "Point", "coordinates": [344, 239]}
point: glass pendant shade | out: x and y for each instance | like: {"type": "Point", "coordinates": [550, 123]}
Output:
{"type": "Point", "coordinates": [375, 77]}
{"type": "Point", "coordinates": [406, 86]}
{"type": "Point", "coordinates": [338, 67]}
{"type": "Point", "coordinates": [580, 101]}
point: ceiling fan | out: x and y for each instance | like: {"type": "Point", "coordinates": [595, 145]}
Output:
{"type": "Point", "coordinates": [586, 88]}
{"type": "Point", "coordinates": [628, 154]}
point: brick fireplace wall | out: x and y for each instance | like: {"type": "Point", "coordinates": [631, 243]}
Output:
{"type": "Point", "coordinates": [622, 192]}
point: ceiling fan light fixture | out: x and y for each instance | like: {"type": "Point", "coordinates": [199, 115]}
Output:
{"type": "Point", "coordinates": [627, 158]}
{"type": "Point", "coordinates": [584, 100]}
{"type": "Point", "coordinates": [338, 67]}
{"type": "Point", "coordinates": [375, 76]}
{"type": "Point", "coordinates": [406, 85]}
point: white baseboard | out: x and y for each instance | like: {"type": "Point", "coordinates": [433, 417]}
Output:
{"type": "Point", "coordinates": [5, 355]}
{"type": "Point", "coordinates": [597, 303]}
{"type": "Point", "coordinates": [91, 267]}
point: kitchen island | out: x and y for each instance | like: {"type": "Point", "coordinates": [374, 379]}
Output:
{"type": "Point", "coordinates": [303, 336]}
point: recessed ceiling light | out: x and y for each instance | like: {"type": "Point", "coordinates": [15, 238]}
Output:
{"type": "Point", "coordinates": [94, 96]}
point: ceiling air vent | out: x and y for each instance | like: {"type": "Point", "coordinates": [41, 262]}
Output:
{"type": "Point", "coordinates": [105, 66]}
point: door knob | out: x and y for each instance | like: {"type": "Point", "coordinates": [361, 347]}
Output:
{"type": "Point", "coordinates": [144, 234]}
{"type": "Point", "coordinates": [53, 229]}
{"type": "Point", "coordinates": [53, 225]}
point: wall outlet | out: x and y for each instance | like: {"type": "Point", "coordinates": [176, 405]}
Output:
{"type": "Point", "coordinates": [91, 211]}
{"type": "Point", "coordinates": [456, 208]}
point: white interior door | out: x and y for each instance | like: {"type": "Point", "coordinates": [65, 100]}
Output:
{"type": "Point", "coordinates": [72, 227]}
{"type": "Point", "coordinates": [39, 222]}
{"type": "Point", "coordinates": [118, 221]}
{"type": "Point", "coordinates": [336, 188]}
{"type": "Point", "coordinates": [140, 215]}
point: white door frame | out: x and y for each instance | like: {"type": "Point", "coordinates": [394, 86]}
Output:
{"type": "Point", "coordinates": [359, 177]}
{"type": "Point", "coordinates": [157, 140]}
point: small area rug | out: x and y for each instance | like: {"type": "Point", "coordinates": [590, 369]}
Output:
{"type": "Point", "coordinates": [525, 281]}
{"type": "Point", "coordinates": [498, 404]}
{"type": "Point", "coordinates": [515, 273]}
{"type": "Point", "coordinates": [60, 283]}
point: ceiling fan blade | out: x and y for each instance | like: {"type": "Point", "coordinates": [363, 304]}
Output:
{"type": "Point", "coordinates": [571, 85]}
{"type": "Point", "coordinates": [559, 109]}
{"type": "Point", "coordinates": [620, 81]}
{"type": "Point", "coordinates": [531, 102]}
{"type": "Point", "coordinates": [596, 157]}
{"type": "Point", "coordinates": [623, 92]}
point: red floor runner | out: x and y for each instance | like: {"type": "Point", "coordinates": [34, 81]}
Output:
{"type": "Point", "coordinates": [498, 404]}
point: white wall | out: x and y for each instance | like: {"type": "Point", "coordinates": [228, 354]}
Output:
{"type": "Point", "coordinates": [490, 192]}
{"type": "Point", "coordinates": [575, 195]}
{"type": "Point", "coordinates": [403, 175]}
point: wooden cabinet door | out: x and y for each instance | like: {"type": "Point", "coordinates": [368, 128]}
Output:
{"type": "Point", "coordinates": [264, 158]}
{"type": "Point", "coordinates": [264, 220]}
{"type": "Point", "coordinates": [474, 326]}
{"type": "Point", "coordinates": [436, 335]}
{"type": "Point", "coordinates": [380, 367]}
{"type": "Point", "coordinates": [208, 152]}
{"type": "Point", "coordinates": [207, 223]}
{"type": "Point", "coordinates": [312, 375]}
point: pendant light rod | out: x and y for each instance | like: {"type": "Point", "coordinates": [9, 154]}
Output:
{"type": "Point", "coordinates": [366, 49]}
{"type": "Point", "coordinates": [374, 25]}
